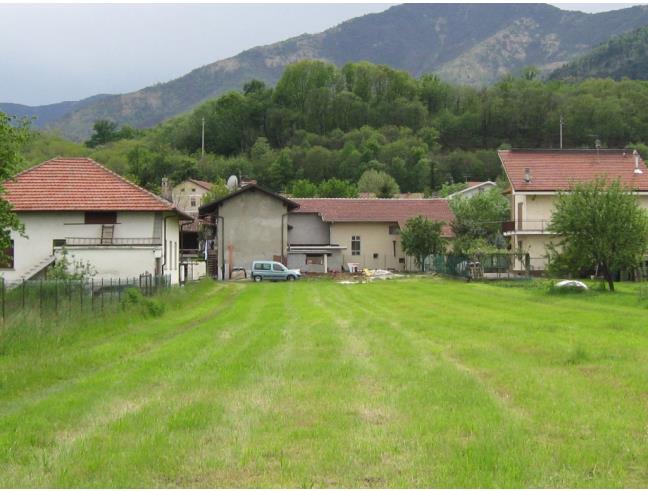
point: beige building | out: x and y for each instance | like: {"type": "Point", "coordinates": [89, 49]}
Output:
{"type": "Point", "coordinates": [315, 234]}
{"type": "Point", "coordinates": [537, 176]}
{"type": "Point", "coordinates": [188, 195]}
{"type": "Point", "coordinates": [366, 232]}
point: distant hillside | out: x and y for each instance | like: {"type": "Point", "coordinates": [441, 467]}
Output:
{"type": "Point", "coordinates": [621, 56]}
{"type": "Point", "coordinates": [467, 43]}
{"type": "Point", "coordinates": [48, 113]}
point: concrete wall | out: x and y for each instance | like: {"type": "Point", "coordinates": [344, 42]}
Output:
{"type": "Point", "coordinates": [182, 194]}
{"type": "Point", "coordinates": [308, 229]}
{"type": "Point", "coordinates": [42, 228]}
{"type": "Point", "coordinates": [255, 228]}
{"type": "Point", "coordinates": [298, 260]}
{"type": "Point", "coordinates": [374, 239]}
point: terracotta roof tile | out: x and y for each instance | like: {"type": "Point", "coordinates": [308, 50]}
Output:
{"type": "Point", "coordinates": [78, 184]}
{"type": "Point", "coordinates": [204, 184]}
{"type": "Point", "coordinates": [553, 170]}
{"type": "Point", "coordinates": [376, 210]}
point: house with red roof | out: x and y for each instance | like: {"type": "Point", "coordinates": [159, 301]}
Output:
{"type": "Point", "coordinates": [79, 206]}
{"type": "Point", "coordinates": [315, 234]}
{"type": "Point", "coordinates": [537, 176]}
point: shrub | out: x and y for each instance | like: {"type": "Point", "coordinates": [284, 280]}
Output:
{"type": "Point", "coordinates": [132, 298]}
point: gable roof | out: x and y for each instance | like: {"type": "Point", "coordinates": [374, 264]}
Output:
{"type": "Point", "coordinates": [554, 170]}
{"type": "Point", "coordinates": [203, 184]}
{"type": "Point", "coordinates": [78, 184]}
{"type": "Point", "coordinates": [472, 185]}
{"type": "Point", "coordinates": [211, 207]}
{"type": "Point", "coordinates": [377, 210]}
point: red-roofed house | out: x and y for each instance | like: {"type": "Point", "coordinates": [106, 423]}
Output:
{"type": "Point", "coordinates": [315, 234]}
{"type": "Point", "coordinates": [536, 177]}
{"type": "Point", "coordinates": [363, 231]}
{"type": "Point", "coordinates": [99, 217]}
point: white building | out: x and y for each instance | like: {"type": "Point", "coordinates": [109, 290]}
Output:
{"type": "Point", "coordinates": [77, 205]}
{"type": "Point", "coordinates": [473, 188]}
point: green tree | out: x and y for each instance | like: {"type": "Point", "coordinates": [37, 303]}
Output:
{"type": "Point", "coordinates": [337, 188]}
{"type": "Point", "coordinates": [13, 135]}
{"type": "Point", "coordinates": [478, 221]}
{"type": "Point", "coordinates": [303, 188]}
{"type": "Point", "coordinates": [600, 225]}
{"type": "Point", "coordinates": [217, 191]}
{"type": "Point", "coordinates": [378, 182]}
{"type": "Point", "coordinates": [282, 171]}
{"type": "Point", "coordinates": [104, 131]}
{"type": "Point", "coordinates": [421, 238]}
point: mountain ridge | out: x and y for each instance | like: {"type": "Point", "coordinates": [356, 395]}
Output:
{"type": "Point", "coordinates": [473, 44]}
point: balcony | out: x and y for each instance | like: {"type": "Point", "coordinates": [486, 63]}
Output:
{"type": "Point", "coordinates": [112, 241]}
{"type": "Point", "coordinates": [539, 226]}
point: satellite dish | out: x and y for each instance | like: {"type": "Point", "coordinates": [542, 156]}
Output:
{"type": "Point", "coordinates": [232, 183]}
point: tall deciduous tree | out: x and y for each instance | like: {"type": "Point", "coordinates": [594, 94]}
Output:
{"type": "Point", "coordinates": [378, 182]}
{"type": "Point", "coordinates": [13, 135]}
{"type": "Point", "coordinates": [421, 238]}
{"type": "Point", "coordinates": [478, 221]}
{"type": "Point", "coordinates": [600, 225]}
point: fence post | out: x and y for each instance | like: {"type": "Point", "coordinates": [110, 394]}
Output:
{"type": "Point", "coordinates": [3, 300]}
{"type": "Point", "coordinates": [40, 296]}
{"type": "Point", "coordinates": [23, 294]}
{"type": "Point", "coordinates": [55, 296]}
{"type": "Point", "coordinates": [119, 290]}
{"type": "Point", "coordinates": [81, 289]}
{"type": "Point", "coordinates": [92, 301]}
{"type": "Point", "coordinates": [102, 294]}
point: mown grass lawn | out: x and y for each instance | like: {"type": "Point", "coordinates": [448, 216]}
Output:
{"type": "Point", "coordinates": [407, 383]}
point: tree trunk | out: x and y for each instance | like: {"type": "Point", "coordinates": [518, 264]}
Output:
{"type": "Point", "coordinates": [608, 277]}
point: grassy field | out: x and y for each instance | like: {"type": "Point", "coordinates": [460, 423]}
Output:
{"type": "Point", "coordinates": [407, 383]}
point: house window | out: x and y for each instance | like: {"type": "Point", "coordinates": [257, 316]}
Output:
{"type": "Point", "coordinates": [193, 202]}
{"type": "Point", "coordinates": [193, 189]}
{"type": "Point", "coordinates": [394, 230]}
{"type": "Point", "coordinates": [394, 244]}
{"type": "Point", "coordinates": [355, 245]}
{"type": "Point", "coordinates": [314, 260]}
{"type": "Point", "coordinates": [7, 261]}
{"type": "Point", "coordinates": [57, 243]}
{"type": "Point", "coordinates": [100, 218]}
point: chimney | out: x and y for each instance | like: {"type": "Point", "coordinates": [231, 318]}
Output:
{"type": "Point", "coordinates": [165, 189]}
{"type": "Point", "coordinates": [637, 169]}
{"type": "Point", "coordinates": [527, 175]}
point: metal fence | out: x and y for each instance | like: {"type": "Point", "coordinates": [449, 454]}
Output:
{"type": "Point", "coordinates": [45, 299]}
{"type": "Point", "coordinates": [486, 266]}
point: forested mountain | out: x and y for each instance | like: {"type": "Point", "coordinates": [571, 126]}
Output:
{"type": "Point", "coordinates": [622, 56]}
{"type": "Point", "coordinates": [321, 128]}
{"type": "Point", "coordinates": [473, 44]}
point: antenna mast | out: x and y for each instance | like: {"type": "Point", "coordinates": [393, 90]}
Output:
{"type": "Point", "coordinates": [562, 122]}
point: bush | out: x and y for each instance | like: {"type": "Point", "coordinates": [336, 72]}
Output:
{"type": "Point", "coordinates": [132, 298]}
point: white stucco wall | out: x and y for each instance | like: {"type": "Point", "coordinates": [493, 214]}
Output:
{"type": "Point", "coordinates": [42, 228]}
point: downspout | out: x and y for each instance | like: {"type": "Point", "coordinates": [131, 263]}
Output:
{"type": "Point", "coordinates": [221, 233]}
{"type": "Point", "coordinates": [164, 243]}
{"type": "Point", "coordinates": [282, 239]}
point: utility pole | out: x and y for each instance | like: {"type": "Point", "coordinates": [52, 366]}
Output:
{"type": "Point", "coordinates": [562, 122]}
{"type": "Point", "coordinates": [203, 137]}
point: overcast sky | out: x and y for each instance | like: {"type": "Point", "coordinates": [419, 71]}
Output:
{"type": "Point", "coordinates": [50, 53]}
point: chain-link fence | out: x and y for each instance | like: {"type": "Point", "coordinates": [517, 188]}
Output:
{"type": "Point", "coordinates": [44, 299]}
{"type": "Point", "coordinates": [495, 266]}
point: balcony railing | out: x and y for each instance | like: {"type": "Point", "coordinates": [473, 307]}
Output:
{"type": "Point", "coordinates": [535, 226]}
{"type": "Point", "coordinates": [113, 241]}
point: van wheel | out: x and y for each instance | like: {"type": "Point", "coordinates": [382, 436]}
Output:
{"type": "Point", "coordinates": [290, 278]}
{"type": "Point", "coordinates": [258, 278]}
